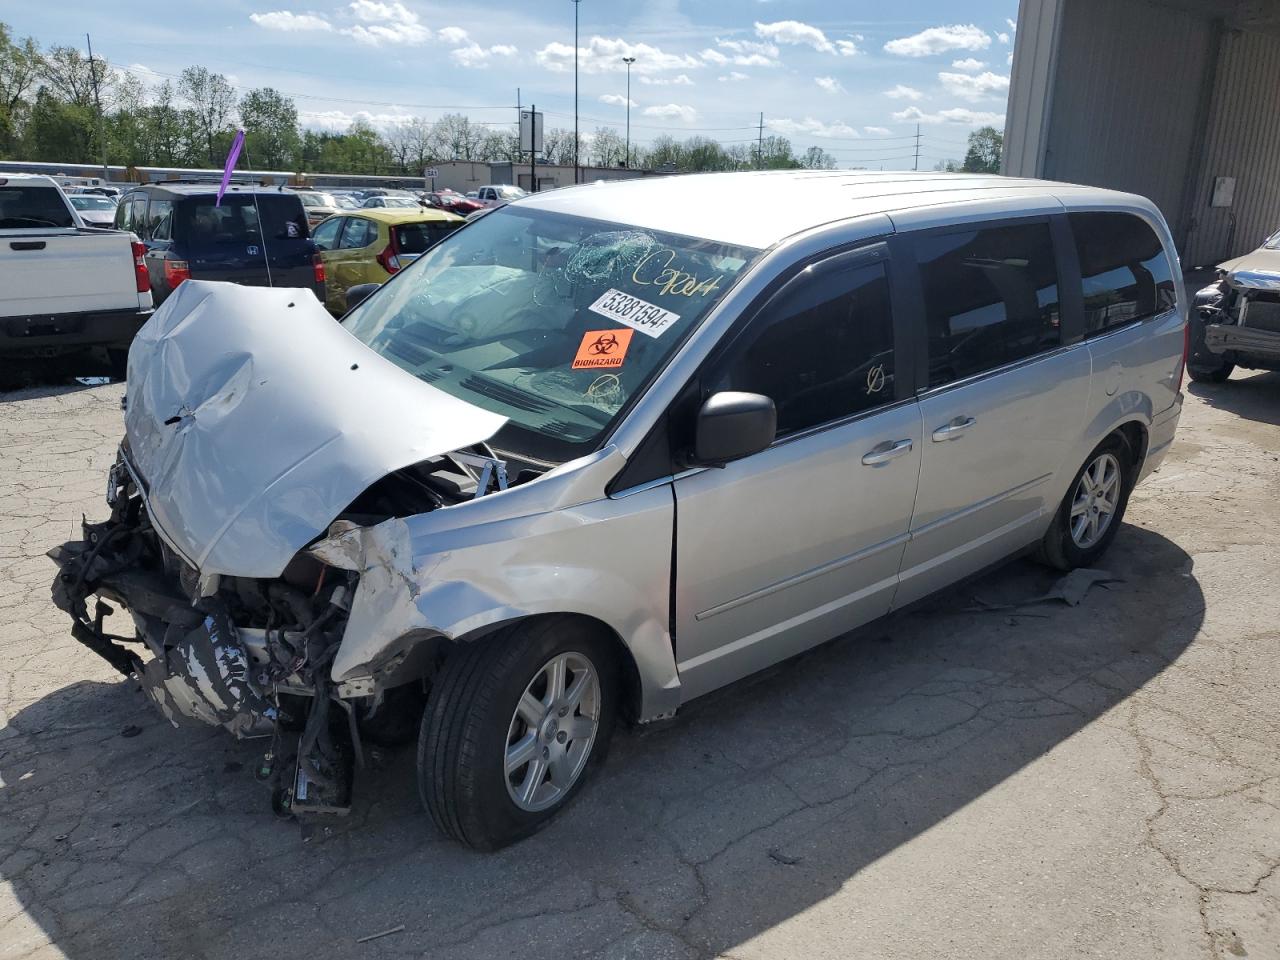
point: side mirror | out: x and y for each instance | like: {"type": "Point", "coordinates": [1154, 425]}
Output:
{"type": "Point", "coordinates": [359, 293]}
{"type": "Point", "coordinates": [733, 425]}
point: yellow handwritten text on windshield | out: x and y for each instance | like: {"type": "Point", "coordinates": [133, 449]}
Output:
{"type": "Point", "coordinates": [657, 270]}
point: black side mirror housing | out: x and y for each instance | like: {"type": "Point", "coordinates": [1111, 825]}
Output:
{"type": "Point", "coordinates": [359, 293]}
{"type": "Point", "coordinates": [733, 425]}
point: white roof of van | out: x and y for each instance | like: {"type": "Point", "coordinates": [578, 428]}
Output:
{"type": "Point", "coordinates": [760, 208]}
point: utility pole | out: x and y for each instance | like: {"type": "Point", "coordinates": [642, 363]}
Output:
{"type": "Point", "coordinates": [628, 61]}
{"type": "Point", "coordinates": [97, 99]}
{"type": "Point", "coordinates": [533, 143]}
{"type": "Point", "coordinates": [576, 168]}
{"type": "Point", "coordinates": [760, 144]}
{"type": "Point", "coordinates": [916, 165]}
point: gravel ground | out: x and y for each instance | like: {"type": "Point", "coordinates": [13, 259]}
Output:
{"type": "Point", "coordinates": [1096, 781]}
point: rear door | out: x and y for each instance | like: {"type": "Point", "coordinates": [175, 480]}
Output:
{"type": "Point", "coordinates": [258, 240]}
{"type": "Point", "coordinates": [326, 240]}
{"type": "Point", "coordinates": [355, 255]}
{"type": "Point", "coordinates": [1005, 400]}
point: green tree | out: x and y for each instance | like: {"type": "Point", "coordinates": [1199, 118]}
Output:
{"type": "Point", "coordinates": [57, 132]}
{"type": "Point", "coordinates": [213, 106]}
{"type": "Point", "coordinates": [815, 158]}
{"type": "Point", "coordinates": [20, 65]}
{"type": "Point", "coordinates": [270, 122]}
{"type": "Point", "coordinates": [985, 146]}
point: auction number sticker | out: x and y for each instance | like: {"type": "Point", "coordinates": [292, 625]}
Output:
{"type": "Point", "coordinates": [648, 318]}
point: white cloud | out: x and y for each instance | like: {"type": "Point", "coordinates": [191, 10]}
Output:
{"type": "Point", "coordinates": [964, 115]}
{"type": "Point", "coordinates": [848, 48]}
{"type": "Point", "coordinates": [604, 55]}
{"type": "Point", "coordinates": [1013, 25]}
{"type": "Point", "coordinates": [936, 40]}
{"type": "Point", "coordinates": [968, 65]}
{"type": "Point", "coordinates": [477, 57]}
{"type": "Point", "coordinates": [878, 131]}
{"type": "Point", "coordinates": [714, 56]}
{"type": "Point", "coordinates": [969, 86]}
{"type": "Point", "coordinates": [454, 35]}
{"type": "Point", "coordinates": [681, 80]}
{"type": "Point", "coordinates": [734, 75]}
{"type": "Point", "coordinates": [617, 100]}
{"type": "Point", "coordinates": [796, 33]}
{"type": "Point", "coordinates": [718, 59]}
{"type": "Point", "coordinates": [290, 22]}
{"type": "Point", "coordinates": [812, 127]}
{"type": "Point", "coordinates": [829, 84]}
{"type": "Point", "coordinates": [672, 111]}
{"type": "Point", "coordinates": [391, 23]}
{"type": "Point", "coordinates": [338, 121]}
{"type": "Point", "coordinates": [1002, 37]}
{"type": "Point", "coordinates": [903, 92]}
{"type": "Point", "coordinates": [748, 47]}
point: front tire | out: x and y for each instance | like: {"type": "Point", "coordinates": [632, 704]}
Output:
{"type": "Point", "coordinates": [1089, 516]}
{"type": "Point", "coordinates": [515, 725]}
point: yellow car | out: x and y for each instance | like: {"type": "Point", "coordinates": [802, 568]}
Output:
{"type": "Point", "coordinates": [369, 245]}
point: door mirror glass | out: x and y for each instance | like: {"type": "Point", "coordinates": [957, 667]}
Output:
{"type": "Point", "coordinates": [733, 425]}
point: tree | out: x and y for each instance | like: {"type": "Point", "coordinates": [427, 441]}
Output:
{"type": "Point", "coordinates": [947, 166]}
{"type": "Point", "coordinates": [985, 146]}
{"type": "Point", "coordinates": [20, 64]}
{"type": "Point", "coordinates": [815, 158]}
{"type": "Point", "coordinates": [70, 76]}
{"type": "Point", "coordinates": [454, 137]}
{"type": "Point", "coordinates": [608, 148]}
{"type": "Point", "coordinates": [270, 122]}
{"type": "Point", "coordinates": [775, 154]}
{"type": "Point", "coordinates": [213, 105]}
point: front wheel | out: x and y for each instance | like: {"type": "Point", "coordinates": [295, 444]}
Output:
{"type": "Point", "coordinates": [515, 725]}
{"type": "Point", "coordinates": [1089, 516]}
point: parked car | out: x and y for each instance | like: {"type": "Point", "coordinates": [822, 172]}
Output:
{"type": "Point", "coordinates": [1237, 317]}
{"type": "Point", "coordinates": [64, 288]}
{"type": "Point", "coordinates": [496, 194]}
{"type": "Point", "coordinates": [453, 202]}
{"type": "Point", "coordinates": [94, 209]}
{"type": "Point", "coordinates": [459, 513]}
{"type": "Point", "coordinates": [370, 246]}
{"type": "Point", "coordinates": [404, 203]}
{"type": "Point", "coordinates": [257, 236]}
{"type": "Point", "coordinates": [318, 206]}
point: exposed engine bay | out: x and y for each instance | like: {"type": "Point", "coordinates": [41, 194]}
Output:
{"type": "Point", "coordinates": [1240, 313]}
{"type": "Point", "coordinates": [253, 655]}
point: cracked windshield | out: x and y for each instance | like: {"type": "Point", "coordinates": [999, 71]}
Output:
{"type": "Point", "coordinates": [552, 321]}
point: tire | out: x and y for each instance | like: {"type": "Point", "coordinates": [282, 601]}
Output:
{"type": "Point", "coordinates": [474, 719]}
{"type": "Point", "coordinates": [1064, 550]}
{"type": "Point", "coordinates": [1210, 375]}
{"type": "Point", "coordinates": [118, 364]}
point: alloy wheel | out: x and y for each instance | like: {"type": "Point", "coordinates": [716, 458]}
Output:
{"type": "Point", "coordinates": [1096, 499]}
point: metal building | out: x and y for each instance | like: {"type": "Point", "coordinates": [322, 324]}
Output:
{"type": "Point", "coordinates": [1175, 99]}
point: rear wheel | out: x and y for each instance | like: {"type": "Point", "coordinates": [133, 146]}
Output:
{"type": "Point", "coordinates": [1089, 516]}
{"type": "Point", "coordinates": [514, 727]}
{"type": "Point", "coordinates": [1216, 374]}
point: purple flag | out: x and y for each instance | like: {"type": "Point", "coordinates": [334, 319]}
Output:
{"type": "Point", "coordinates": [232, 156]}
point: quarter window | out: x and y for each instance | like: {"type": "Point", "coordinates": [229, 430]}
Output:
{"type": "Point", "coordinates": [161, 219]}
{"type": "Point", "coordinates": [1126, 274]}
{"type": "Point", "coordinates": [138, 216]}
{"type": "Point", "coordinates": [991, 297]}
{"type": "Point", "coordinates": [821, 350]}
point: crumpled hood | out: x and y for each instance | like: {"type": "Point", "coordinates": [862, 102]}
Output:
{"type": "Point", "coordinates": [254, 419]}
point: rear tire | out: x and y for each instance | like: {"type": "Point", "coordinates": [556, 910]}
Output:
{"type": "Point", "coordinates": [474, 729]}
{"type": "Point", "coordinates": [1090, 514]}
{"type": "Point", "coordinates": [1217, 374]}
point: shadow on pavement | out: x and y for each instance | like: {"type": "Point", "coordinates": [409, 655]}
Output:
{"type": "Point", "coordinates": [754, 805]}
{"type": "Point", "coordinates": [1254, 396]}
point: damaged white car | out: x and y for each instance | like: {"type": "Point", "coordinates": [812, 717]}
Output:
{"type": "Point", "coordinates": [607, 449]}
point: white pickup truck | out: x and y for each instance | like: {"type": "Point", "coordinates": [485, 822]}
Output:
{"type": "Point", "coordinates": [65, 288]}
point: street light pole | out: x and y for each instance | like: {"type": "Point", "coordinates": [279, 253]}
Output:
{"type": "Point", "coordinates": [576, 168]}
{"type": "Point", "coordinates": [628, 61]}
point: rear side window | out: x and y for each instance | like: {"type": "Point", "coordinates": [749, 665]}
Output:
{"type": "Point", "coordinates": [418, 237]}
{"type": "Point", "coordinates": [359, 233]}
{"type": "Point", "coordinates": [822, 350]}
{"type": "Point", "coordinates": [138, 215]}
{"type": "Point", "coordinates": [236, 220]}
{"type": "Point", "coordinates": [991, 298]}
{"type": "Point", "coordinates": [160, 219]}
{"type": "Point", "coordinates": [34, 206]}
{"type": "Point", "coordinates": [1127, 276]}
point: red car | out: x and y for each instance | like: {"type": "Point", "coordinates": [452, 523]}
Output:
{"type": "Point", "coordinates": [453, 202]}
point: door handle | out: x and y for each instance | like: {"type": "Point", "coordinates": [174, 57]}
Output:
{"type": "Point", "coordinates": [953, 430]}
{"type": "Point", "coordinates": [885, 452]}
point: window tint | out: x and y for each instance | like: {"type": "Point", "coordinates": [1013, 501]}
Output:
{"type": "Point", "coordinates": [33, 206]}
{"type": "Point", "coordinates": [822, 349]}
{"type": "Point", "coordinates": [138, 216]}
{"type": "Point", "coordinates": [122, 214]}
{"type": "Point", "coordinates": [417, 237]}
{"type": "Point", "coordinates": [160, 218]}
{"type": "Point", "coordinates": [991, 297]}
{"type": "Point", "coordinates": [326, 235]}
{"type": "Point", "coordinates": [359, 233]}
{"type": "Point", "coordinates": [1127, 276]}
{"type": "Point", "coordinates": [235, 221]}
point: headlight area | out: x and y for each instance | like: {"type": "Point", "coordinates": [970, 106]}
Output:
{"type": "Point", "coordinates": [250, 655]}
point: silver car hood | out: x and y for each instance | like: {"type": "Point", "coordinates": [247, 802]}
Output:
{"type": "Point", "coordinates": [254, 419]}
{"type": "Point", "coordinates": [1258, 270]}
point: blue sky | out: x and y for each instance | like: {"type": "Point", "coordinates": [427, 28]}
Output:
{"type": "Point", "coordinates": [854, 77]}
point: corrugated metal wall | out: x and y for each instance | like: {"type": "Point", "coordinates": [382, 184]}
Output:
{"type": "Point", "coordinates": [1242, 140]}
{"type": "Point", "coordinates": [1129, 77]}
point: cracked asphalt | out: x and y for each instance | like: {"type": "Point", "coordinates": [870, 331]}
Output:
{"type": "Point", "coordinates": [1092, 781]}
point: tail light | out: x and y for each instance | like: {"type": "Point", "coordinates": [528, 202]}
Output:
{"type": "Point", "coordinates": [389, 258]}
{"type": "Point", "coordinates": [1186, 352]}
{"type": "Point", "coordinates": [141, 279]}
{"type": "Point", "coordinates": [175, 271]}
{"type": "Point", "coordinates": [318, 265]}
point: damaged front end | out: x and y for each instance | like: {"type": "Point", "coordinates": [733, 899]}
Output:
{"type": "Point", "coordinates": [1240, 317]}
{"type": "Point", "coordinates": [249, 655]}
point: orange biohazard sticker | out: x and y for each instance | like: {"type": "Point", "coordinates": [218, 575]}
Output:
{"type": "Point", "coordinates": [602, 349]}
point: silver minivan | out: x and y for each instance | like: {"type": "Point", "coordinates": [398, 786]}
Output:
{"type": "Point", "coordinates": [608, 449]}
